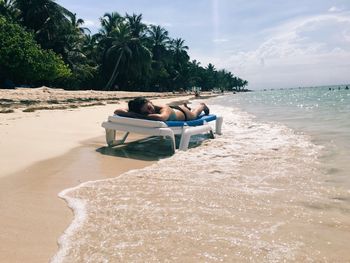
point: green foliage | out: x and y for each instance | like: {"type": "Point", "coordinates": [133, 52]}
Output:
{"type": "Point", "coordinates": [23, 60]}
{"type": "Point", "coordinates": [125, 54]}
{"type": "Point", "coordinates": [48, 21]}
{"type": "Point", "coordinates": [7, 9]}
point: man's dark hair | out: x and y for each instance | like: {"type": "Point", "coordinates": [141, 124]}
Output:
{"type": "Point", "coordinates": [136, 104]}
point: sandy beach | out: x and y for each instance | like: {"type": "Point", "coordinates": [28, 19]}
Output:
{"type": "Point", "coordinates": [260, 192]}
{"type": "Point", "coordinates": [46, 151]}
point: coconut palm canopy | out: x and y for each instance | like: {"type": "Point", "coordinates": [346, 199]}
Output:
{"type": "Point", "coordinates": [125, 54]}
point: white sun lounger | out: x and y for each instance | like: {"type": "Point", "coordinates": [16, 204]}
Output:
{"type": "Point", "coordinates": [159, 128]}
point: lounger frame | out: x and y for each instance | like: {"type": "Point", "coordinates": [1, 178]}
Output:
{"type": "Point", "coordinates": [156, 128]}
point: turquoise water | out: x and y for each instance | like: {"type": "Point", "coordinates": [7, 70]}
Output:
{"type": "Point", "coordinates": [323, 113]}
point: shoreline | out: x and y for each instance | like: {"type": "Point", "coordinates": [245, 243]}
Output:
{"type": "Point", "coordinates": [26, 138]}
{"type": "Point", "coordinates": [201, 199]}
{"type": "Point", "coordinates": [44, 152]}
{"type": "Point", "coordinates": [33, 216]}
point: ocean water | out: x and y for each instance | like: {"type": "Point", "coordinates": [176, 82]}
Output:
{"type": "Point", "coordinates": [274, 187]}
{"type": "Point", "coordinates": [323, 113]}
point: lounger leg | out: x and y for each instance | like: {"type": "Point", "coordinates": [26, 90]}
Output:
{"type": "Point", "coordinates": [185, 140]}
{"type": "Point", "coordinates": [173, 144]}
{"type": "Point", "coordinates": [124, 138]}
{"type": "Point", "coordinates": [167, 132]}
{"type": "Point", "coordinates": [218, 125]}
{"type": "Point", "coordinates": [110, 138]}
{"type": "Point", "coordinates": [187, 133]}
{"type": "Point", "coordinates": [211, 134]}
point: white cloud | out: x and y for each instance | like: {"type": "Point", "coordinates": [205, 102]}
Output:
{"type": "Point", "coordinates": [90, 23]}
{"type": "Point", "coordinates": [301, 52]}
{"type": "Point", "coordinates": [163, 24]}
{"type": "Point", "coordinates": [220, 40]}
{"type": "Point", "coordinates": [334, 9]}
{"type": "Point", "coordinates": [346, 34]}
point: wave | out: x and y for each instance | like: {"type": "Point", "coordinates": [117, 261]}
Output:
{"type": "Point", "coordinates": [248, 195]}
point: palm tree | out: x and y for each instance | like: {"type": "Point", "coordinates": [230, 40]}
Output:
{"type": "Point", "coordinates": [8, 10]}
{"type": "Point", "coordinates": [159, 40]}
{"type": "Point", "coordinates": [180, 51]}
{"type": "Point", "coordinates": [77, 25]}
{"type": "Point", "coordinates": [179, 69]}
{"type": "Point", "coordinates": [110, 22]}
{"type": "Point", "coordinates": [239, 83]}
{"type": "Point", "coordinates": [137, 28]}
{"type": "Point", "coordinates": [126, 50]}
{"type": "Point", "coordinates": [178, 45]}
{"type": "Point", "coordinates": [89, 47]}
{"type": "Point", "coordinates": [139, 66]}
{"type": "Point", "coordinates": [45, 17]}
{"type": "Point", "coordinates": [211, 68]}
{"type": "Point", "coordinates": [195, 76]}
{"type": "Point", "coordinates": [210, 77]}
{"type": "Point", "coordinates": [244, 83]}
{"type": "Point", "coordinates": [73, 48]}
{"type": "Point", "coordinates": [224, 79]}
{"type": "Point", "coordinates": [195, 63]}
{"type": "Point", "coordinates": [230, 80]}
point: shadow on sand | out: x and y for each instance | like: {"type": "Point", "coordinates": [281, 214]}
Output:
{"type": "Point", "coordinates": [147, 149]}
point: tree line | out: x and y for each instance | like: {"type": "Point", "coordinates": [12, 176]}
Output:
{"type": "Point", "coordinates": [43, 43]}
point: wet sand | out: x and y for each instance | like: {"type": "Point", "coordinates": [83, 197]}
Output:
{"type": "Point", "coordinates": [33, 217]}
{"type": "Point", "coordinates": [43, 153]}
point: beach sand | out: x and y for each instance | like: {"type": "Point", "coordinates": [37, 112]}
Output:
{"type": "Point", "coordinates": [43, 153]}
{"type": "Point", "coordinates": [31, 99]}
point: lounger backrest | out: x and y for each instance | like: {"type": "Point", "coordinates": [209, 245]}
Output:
{"type": "Point", "coordinates": [136, 122]}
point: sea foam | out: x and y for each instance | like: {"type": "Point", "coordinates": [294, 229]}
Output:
{"type": "Point", "coordinates": [248, 195]}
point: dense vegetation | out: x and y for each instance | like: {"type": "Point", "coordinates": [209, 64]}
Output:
{"type": "Point", "coordinates": [42, 43]}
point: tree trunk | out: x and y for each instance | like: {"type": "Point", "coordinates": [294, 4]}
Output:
{"type": "Point", "coordinates": [114, 74]}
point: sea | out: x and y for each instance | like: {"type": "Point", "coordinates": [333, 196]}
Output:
{"type": "Point", "coordinates": [274, 187]}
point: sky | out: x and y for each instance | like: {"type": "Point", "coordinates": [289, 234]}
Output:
{"type": "Point", "coordinates": [270, 43]}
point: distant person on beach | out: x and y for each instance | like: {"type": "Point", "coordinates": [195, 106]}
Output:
{"type": "Point", "coordinates": [143, 108]}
